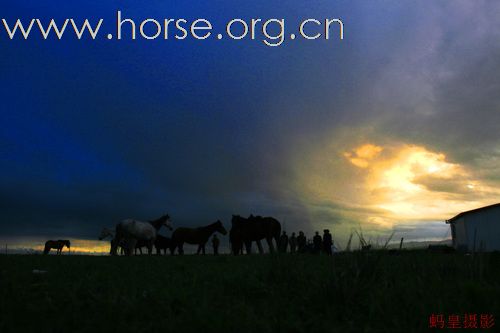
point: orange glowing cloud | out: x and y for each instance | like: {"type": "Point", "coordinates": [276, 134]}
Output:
{"type": "Point", "coordinates": [385, 185]}
{"type": "Point", "coordinates": [412, 182]}
{"type": "Point", "coordinates": [362, 155]}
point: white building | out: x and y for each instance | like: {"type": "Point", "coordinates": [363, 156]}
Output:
{"type": "Point", "coordinates": [477, 229]}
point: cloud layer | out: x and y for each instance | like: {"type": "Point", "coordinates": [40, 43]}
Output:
{"type": "Point", "coordinates": [395, 127]}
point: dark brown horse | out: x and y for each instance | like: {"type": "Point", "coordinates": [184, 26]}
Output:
{"type": "Point", "coordinates": [244, 231]}
{"type": "Point", "coordinates": [161, 243]}
{"type": "Point", "coordinates": [56, 244]}
{"type": "Point", "coordinates": [197, 236]}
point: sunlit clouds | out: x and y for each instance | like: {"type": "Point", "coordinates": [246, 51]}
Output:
{"type": "Point", "coordinates": [362, 155]}
{"type": "Point", "coordinates": [411, 182]}
{"type": "Point", "coordinates": [382, 186]}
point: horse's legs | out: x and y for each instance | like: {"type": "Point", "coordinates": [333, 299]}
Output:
{"type": "Point", "coordinates": [181, 248]}
{"type": "Point", "coordinates": [277, 239]}
{"type": "Point", "coordinates": [203, 248]}
{"type": "Point", "coordinates": [150, 247]}
{"type": "Point", "coordinates": [259, 246]}
{"type": "Point", "coordinates": [248, 245]}
{"type": "Point", "coordinates": [131, 243]}
{"type": "Point", "coordinates": [114, 247]}
{"type": "Point", "coordinates": [270, 244]}
{"type": "Point", "coordinates": [199, 249]}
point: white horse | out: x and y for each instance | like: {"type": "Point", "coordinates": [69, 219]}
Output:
{"type": "Point", "coordinates": [129, 231]}
{"type": "Point", "coordinates": [105, 233]}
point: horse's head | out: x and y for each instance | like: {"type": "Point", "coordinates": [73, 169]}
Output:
{"type": "Point", "coordinates": [67, 243]}
{"type": "Point", "coordinates": [236, 219]}
{"type": "Point", "coordinates": [166, 222]}
{"type": "Point", "coordinates": [219, 227]}
{"type": "Point", "coordinates": [105, 233]}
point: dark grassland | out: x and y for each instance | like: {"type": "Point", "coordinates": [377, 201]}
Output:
{"type": "Point", "coordinates": [354, 292]}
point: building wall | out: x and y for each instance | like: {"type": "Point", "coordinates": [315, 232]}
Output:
{"type": "Point", "coordinates": [484, 224]}
{"type": "Point", "coordinates": [460, 234]}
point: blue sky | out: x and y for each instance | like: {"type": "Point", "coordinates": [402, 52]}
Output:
{"type": "Point", "coordinates": [394, 127]}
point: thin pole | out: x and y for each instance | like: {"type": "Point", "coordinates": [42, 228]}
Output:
{"type": "Point", "coordinates": [6, 250]}
{"type": "Point", "coordinates": [401, 243]}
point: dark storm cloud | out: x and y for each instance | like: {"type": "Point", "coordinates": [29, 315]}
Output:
{"type": "Point", "coordinates": [99, 132]}
{"type": "Point", "coordinates": [441, 90]}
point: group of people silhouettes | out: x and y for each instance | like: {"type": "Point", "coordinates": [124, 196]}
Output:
{"type": "Point", "coordinates": [300, 244]}
{"type": "Point", "coordinates": [297, 244]}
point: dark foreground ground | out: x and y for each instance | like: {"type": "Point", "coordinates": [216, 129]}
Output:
{"type": "Point", "coordinates": [356, 292]}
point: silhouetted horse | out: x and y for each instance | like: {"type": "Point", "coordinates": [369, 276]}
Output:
{"type": "Point", "coordinates": [105, 233]}
{"type": "Point", "coordinates": [198, 236]}
{"type": "Point", "coordinates": [163, 243]}
{"type": "Point", "coordinates": [140, 244]}
{"type": "Point", "coordinates": [56, 244]}
{"type": "Point", "coordinates": [129, 232]}
{"type": "Point", "coordinates": [254, 228]}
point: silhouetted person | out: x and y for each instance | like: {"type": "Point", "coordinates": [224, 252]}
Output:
{"type": "Point", "coordinates": [283, 242]}
{"type": "Point", "coordinates": [215, 244]}
{"type": "Point", "coordinates": [301, 242]}
{"type": "Point", "coordinates": [327, 242]}
{"type": "Point", "coordinates": [293, 243]}
{"type": "Point", "coordinates": [317, 243]}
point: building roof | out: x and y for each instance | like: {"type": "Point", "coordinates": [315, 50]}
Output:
{"type": "Point", "coordinates": [472, 211]}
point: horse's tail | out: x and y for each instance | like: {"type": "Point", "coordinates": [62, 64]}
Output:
{"type": "Point", "coordinates": [46, 249]}
{"type": "Point", "coordinates": [114, 247]}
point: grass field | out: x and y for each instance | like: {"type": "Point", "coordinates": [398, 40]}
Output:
{"type": "Point", "coordinates": [354, 292]}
